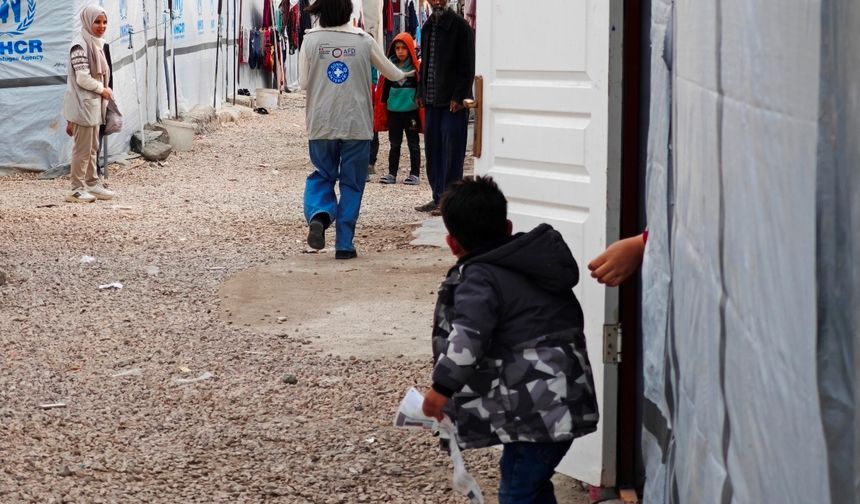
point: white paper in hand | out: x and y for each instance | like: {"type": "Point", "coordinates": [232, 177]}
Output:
{"type": "Point", "coordinates": [410, 415]}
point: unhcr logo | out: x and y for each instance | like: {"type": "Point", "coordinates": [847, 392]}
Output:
{"type": "Point", "coordinates": [14, 21]}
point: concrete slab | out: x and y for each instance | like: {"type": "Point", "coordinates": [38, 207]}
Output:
{"type": "Point", "coordinates": [431, 233]}
{"type": "Point", "coordinates": [378, 305]}
{"type": "Point", "coordinates": [242, 100]}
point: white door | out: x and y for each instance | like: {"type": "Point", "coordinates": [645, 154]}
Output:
{"type": "Point", "coordinates": [546, 141]}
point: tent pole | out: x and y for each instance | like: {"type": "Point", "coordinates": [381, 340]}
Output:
{"type": "Point", "coordinates": [238, 80]}
{"type": "Point", "coordinates": [217, 55]}
{"type": "Point", "coordinates": [235, 51]}
{"type": "Point", "coordinates": [104, 147]}
{"type": "Point", "coordinates": [157, 79]}
{"type": "Point", "coordinates": [131, 35]}
{"type": "Point", "coordinates": [167, 87]}
{"type": "Point", "coordinates": [227, 49]}
{"type": "Point", "coordinates": [279, 64]}
{"type": "Point", "coordinates": [173, 58]}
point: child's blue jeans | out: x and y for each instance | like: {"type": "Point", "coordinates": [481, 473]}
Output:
{"type": "Point", "coordinates": [526, 471]}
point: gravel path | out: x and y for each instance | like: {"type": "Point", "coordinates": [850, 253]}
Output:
{"type": "Point", "coordinates": [127, 431]}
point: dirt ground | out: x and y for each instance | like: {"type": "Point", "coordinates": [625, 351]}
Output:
{"type": "Point", "coordinates": [95, 399]}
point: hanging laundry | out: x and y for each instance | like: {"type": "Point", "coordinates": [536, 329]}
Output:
{"type": "Point", "coordinates": [245, 45]}
{"type": "Point", "coordinates": [283, 15]}
{"type": "Point", "coordinates": [423, 13]}
{"type": "Point", "coordinates": [267, 13]}
{"type": "Point", "coordinates": [387, 18]}
{"type": "Point", "coordinates": [284, 9]}
{"type": "Point", "coordinates": [256, 58]}
{"type": "Point", "coordinates": [268, 49]}
{"type": "Point", "coordinates": [411, 19]}
{"type": "Point", "coordinates": [305, 23]}
{"type": "Point", "coordinates": [293, 27]}
{"type": "Point", "coordinates": [471, 12]}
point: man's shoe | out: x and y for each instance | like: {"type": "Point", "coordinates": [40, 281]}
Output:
{"type": "Point", "coordinates": [436, 212]}
{"type": "Point", "coordinates": [427, 207]}
{"type": "Point", "coordinates": [100, 192]}
{"type": "Point", "coordinates": [80, 195]}
{"type": "Point", "coordinates": [371, 171]}
{"type": "Point", "coordinates": [316, 235]}
{"type": "Point", "coordinates": [345, 254]}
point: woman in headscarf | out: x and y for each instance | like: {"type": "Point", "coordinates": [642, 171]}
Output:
{"type": "Point", "coordinates": [85, 104]}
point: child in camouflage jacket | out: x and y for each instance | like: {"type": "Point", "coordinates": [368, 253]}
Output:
{"type": "Point", "coordinates": [510, 358]}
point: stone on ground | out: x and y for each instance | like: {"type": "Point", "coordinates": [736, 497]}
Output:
{"type": "Point", "coordinates": [149, 135]}
{"type": "Point", "coordinates": [56, 172]}
{"type": "Point", "coordinates": [156, 151]}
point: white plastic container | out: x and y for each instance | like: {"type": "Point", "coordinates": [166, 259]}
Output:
{"type": "Point", "coordinates": [267, 98]}
{"type": "Point", "coordinates": [181, 134]}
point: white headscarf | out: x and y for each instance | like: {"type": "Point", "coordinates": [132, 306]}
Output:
{"type": "Point", "coordinates": [95, 53]}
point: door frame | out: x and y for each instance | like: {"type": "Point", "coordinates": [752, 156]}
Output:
{"type": "Point", "coordinates": [636, 55]}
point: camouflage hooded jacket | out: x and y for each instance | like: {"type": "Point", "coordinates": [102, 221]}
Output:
{"type": "Point", "coordinates": [509, 347]}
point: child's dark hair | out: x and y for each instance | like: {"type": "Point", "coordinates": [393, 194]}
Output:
{"type": "Point", "coordinates": [331, 12]}
{"type": "Point", "coordinates": [475, 212]}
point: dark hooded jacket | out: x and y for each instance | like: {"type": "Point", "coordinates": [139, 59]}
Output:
{"type": "Point", "coordinates": [509, 347]}
{"type": "Point", "coordinates": [455, 59]}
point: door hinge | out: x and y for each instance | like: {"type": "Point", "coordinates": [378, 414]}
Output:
{"type": "Point", "coordinates": [612, 343]}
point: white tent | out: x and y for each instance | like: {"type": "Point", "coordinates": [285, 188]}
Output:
{"type": "Point", "coordinates": [34, 45]}
{"type": "Point", "coordinates": [750, 307]}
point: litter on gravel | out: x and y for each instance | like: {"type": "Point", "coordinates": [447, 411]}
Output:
{"type": "Point", "coordinates": [205, 376]}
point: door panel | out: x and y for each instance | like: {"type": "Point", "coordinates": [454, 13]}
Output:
{"type": "Point", "coordinates": [546, 141]}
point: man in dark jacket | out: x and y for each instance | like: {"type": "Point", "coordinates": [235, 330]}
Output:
{"type": "Point", "coordinates": [447, 72]}
{"type": "Point", "coordinates": [511, 364]}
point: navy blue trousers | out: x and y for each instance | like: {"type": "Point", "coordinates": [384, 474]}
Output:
{"type": "Point", "coordinates": [526, 471]}
{"type": "Point", "coordinates": [445, 146]}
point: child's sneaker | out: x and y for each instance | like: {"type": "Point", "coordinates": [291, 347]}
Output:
{"type": "Point", "coordinates": [387, 179]}
{"type": "Point", "coordinates": [411, 180]}
{"type": "Point", "coordinates": [80, 195]}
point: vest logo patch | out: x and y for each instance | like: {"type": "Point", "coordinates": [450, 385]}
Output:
{"type": "Point", "coordinates": [334, 51]}
{"type": "Point", "coordinates": [338, 72]}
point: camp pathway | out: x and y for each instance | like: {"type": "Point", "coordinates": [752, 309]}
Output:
{"type": "Point", "coordinates": [232, 366]}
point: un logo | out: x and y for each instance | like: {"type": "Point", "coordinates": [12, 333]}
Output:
{"type": "Point", "coordinates": [14, 21]}
{"type": "Point", "coordinates": [338, 72]}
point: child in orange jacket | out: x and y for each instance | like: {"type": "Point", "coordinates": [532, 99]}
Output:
{"type": "Point", "coordinates": [396, 109]}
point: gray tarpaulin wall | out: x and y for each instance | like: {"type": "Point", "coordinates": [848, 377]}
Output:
{"type": "Point", "coordinates": [750, 279]}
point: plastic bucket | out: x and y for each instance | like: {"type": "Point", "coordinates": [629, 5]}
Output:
{"type": "Point", "coordinates": [267, 98]}
{"type": "Point", "coordinates": [181, 134]}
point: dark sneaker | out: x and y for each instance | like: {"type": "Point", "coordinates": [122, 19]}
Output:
{"type": "Point", "coordinates": [345, 254]}
{"type": "Point", "coordinates": [436, 212]}
{"type": "Point", "coordinates": [387, 179]}
{"type": "Point", "coordinates": [316, 235]}
{"type": "Point", "coordinates": [427, 207]}
{"type": "Point", "coordinates": [411, 180]}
